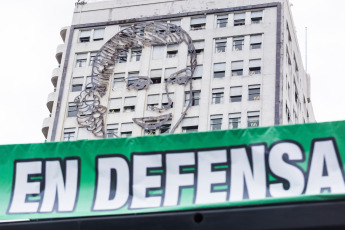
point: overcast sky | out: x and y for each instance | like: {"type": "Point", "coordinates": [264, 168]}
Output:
{"type": "Point", "coordinates": [30, 35]}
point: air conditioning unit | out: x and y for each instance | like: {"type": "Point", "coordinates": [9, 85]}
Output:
{"type": "Point", "coordinates": [219, 51]}
{"type": "Point", "coordinates": [237, 49]}
{"type": "Point", "coordinates": [252, 73]}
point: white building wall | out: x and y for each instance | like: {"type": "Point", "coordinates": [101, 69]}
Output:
{"type": "Point", "coordinates": [101, 12]}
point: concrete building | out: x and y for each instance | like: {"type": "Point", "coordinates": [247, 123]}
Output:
{"type": "Point", "coordinates": [249, 68]}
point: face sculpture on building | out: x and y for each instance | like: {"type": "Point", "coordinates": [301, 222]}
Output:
{"type": "Point", "coordinates": [91, 112]}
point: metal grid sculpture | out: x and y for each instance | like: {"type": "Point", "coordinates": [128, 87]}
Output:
{"type": "Point", "coordinates": [91, 112]}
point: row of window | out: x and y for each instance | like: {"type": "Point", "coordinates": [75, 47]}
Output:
{"type": "Point", "coordinates": [156, 75]}
{"type": "Point", "coordinates": [153, 100]}
{"type": "Point", "coordinates": [171, 51]}
{"type": "Point", "coordinates": [238, 43]}
{"type": "Point", "coordinates": [239, 19]}
{"type": "Point", "coordinates": [189, 124]}
{"type": "Point", "coordinates": [196, 23]}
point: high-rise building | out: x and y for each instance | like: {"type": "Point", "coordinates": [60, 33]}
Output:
{"type": "Point", "coordinates": [126, 66]}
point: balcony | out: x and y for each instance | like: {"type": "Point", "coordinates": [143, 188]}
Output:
{"type": "Point", "coordinates": [55, 76]}
{"type": "Point", "coordinates": [63, 33]}
{"type": "Point", "coordinates": [45, 127]}
{"type": "Point", "coordinates": [59, 51]}
{"type": "Point", "coordinates": [50, 101]}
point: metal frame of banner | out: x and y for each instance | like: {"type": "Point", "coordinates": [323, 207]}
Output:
{"type": "Point", "coordinates": [321, 215]}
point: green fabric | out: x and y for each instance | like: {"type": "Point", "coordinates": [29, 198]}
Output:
{"type": "Point", "coordinates": [87, 151]}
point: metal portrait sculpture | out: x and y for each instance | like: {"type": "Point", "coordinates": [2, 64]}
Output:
{"type": "Point", "coordinates": [91, 112]}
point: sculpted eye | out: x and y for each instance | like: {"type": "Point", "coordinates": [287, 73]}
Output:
{"type": "Point", "coordinates": [138, 82]}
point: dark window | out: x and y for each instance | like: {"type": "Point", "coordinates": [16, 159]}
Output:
{"type": "Point", "coordinates": [234, 120]}
{"type": "Point", "coordinates": [254, 92]}
{"type": "Point", "coordinates": [190, 129]}
{"type": "Point", "coordinates": [72, 111]}
{"type": "Point", "coordinates": [77, 87]}
{"type": "Point", "coordinates": [222, 21]}
{"type": "Point", "coordinates": [196, 98]}
{"type": "Point", "coordinates": [238, 43]}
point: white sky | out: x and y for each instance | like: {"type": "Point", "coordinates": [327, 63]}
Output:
{"type": "Point", "coordinates": [30, 35]}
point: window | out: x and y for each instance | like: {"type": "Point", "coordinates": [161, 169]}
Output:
{"type": "Point", "coordinates": [198, 23]}
{"type": "Point", "coordinates": [115, 105]}
{"type": "Point", "coordinates": [88, 82]}
{"type": "Point", "coordinates": [92, 58]}
{"type": "Point", "coordinates": [172, 51]}
{"type": "Point", "coordinates": [129, 105]}
{"type": "Point", "coordinates": [152, 101]}
{"type": "Point", "coordinates": [168, 72]}
{"type": "Point", "coordinates": [72, 110]}
{"type": "Point", "coordinates": [296, 65]}
{"type": "Point", "coordinates": [199, 46]}
{"type": "Point", "coordinates": [220, 45]}
{"type": "Point", "coordinates": [234, 120]}
{"type": "Point", "coordinates": [217, 96]}
{"type": "Point", "coordinates": [253, 92]}
{"type": "Point", "coordinates": [237, 68]}
{"type": "Point", "coordinates": [190, 124]}
{"type": "Point", "coordinates": [134, 77]}
{"type": "Point", "coordinates": [176, 22]}
{"type": "Point", "coordinates": [158, 52]}
{"type": "Point", "coordinates": [122, 56]}
{"type": "Point", "coordinates": [149, 131]}
{"type": "Point", "coordinates": [255, 41]}
{"type": "Point", "coordinates": [165, 129]}
{"type": "Point", "coordinates": [239, 19]}
{"type": "Point", "coordinates": [136, 54]}
{"type": "Point", "coordinates": [68, 134]}
{"type": "Point", "coordinates": [253, 119]}
{"type": "Point", "coordinates": [216, 122]}
{"type": "Point", "coordinates": [288, 32]}
{"type": "Point", "coordinates": [222, 21]}
{"type": "Point", "coordinates": [256, 17]}
{"type": "Point", "coordinates": [156, 76]}
{"type": "Point", "coordinates": [84, 35]}
{"type": "Point", "coordinates": [77, 84]}
{"type": "Point", "coordinates": [288, 115]}
{"type": "Point", "coordinates": [126, 129]}
{"type": "Point", "coordinates": [254, 66]}
{"type": "Point", "coordinates": [98, 34]}
{"type": "Point", "coordinates": [195, 100]}
{"type": "Point", "coordinates": [197, 73]}
{"type": "Point", "coordinates": [219, 70]}
{"type": "Point", "coordinates": [236, 94]}
{"type": "Point", "coordinates": [165, 100]}
{"type": "Point", "coordinates": [81, 60]}
{"type": "Point", "coordinates": [112, 130]}
{"type": "Point", "coordinates": [119, 80]}
{"type": "Point", "coordinates": [237, 43]}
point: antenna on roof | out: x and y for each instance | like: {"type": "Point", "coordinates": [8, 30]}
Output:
{"type": "Point", "coordinates": [80, 2]}
{"type": "Point", "coordinates": [306, 49]}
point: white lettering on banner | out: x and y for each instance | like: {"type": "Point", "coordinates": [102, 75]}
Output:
{"type": "Point", "coordinates": [143, 181]}
{"type": "Point", "coordinates": [24, 187]}
{"type": "Point", "coordinates": [282, 160]}
{"type": "Point", "coordinates": [175, 179]}
{"type": "Point", "coordinates": [56, 185]}
{"type": "Point", "coordinates": [59, 187]}
{"type": "Point", "coordinates": [325, 169]}
{"type": "Point", "coordinates": [112, 183]}
{"type": "Point", "coordinates": [243, 174]}
{"type": "Point", "coordinates": [208, 177]}
{"type": "Point", "coordinates": [159, 179]}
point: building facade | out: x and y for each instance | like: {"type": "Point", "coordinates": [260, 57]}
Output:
{"type": "Point", "coordinates": [249, 69]}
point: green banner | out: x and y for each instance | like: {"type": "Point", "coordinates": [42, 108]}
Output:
{"type": "Point", "coordinates": [221, 169]}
